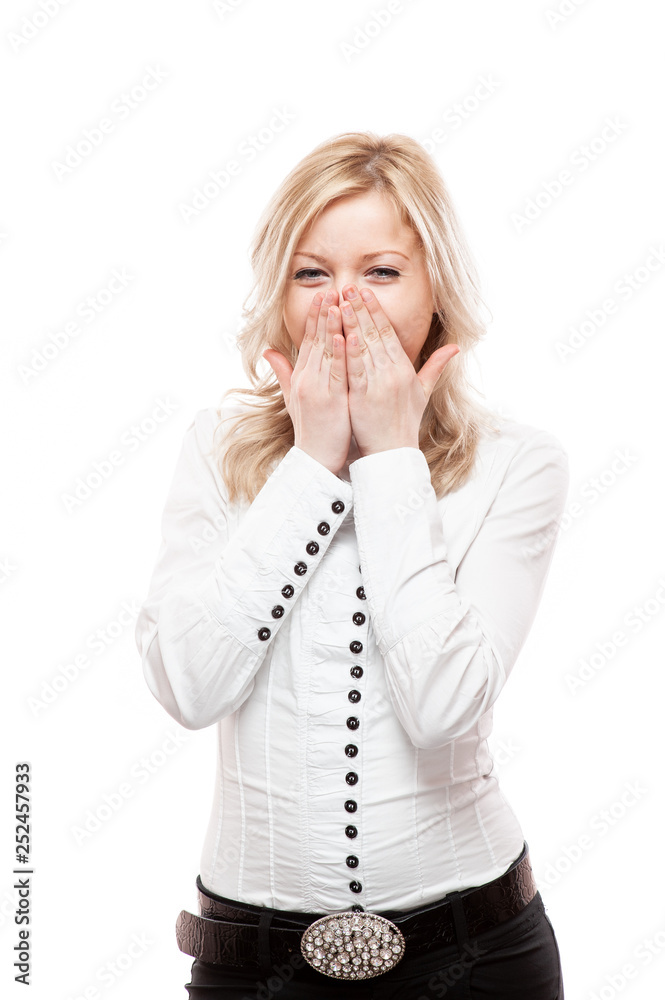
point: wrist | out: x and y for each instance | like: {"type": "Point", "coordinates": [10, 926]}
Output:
{"type": "Point", "coordinates": [376, 449]}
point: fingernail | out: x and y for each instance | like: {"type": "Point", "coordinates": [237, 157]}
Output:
{"type": "Point", "coordinates": [351, 294]}
{"type": "Point", "coordinates": [366, 294]}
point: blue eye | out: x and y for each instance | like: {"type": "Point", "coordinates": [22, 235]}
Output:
{"type": "Point", "coordinates": [307, 272]}
{"type": "Point", "coordinates": [390, 272]}
{"type": "Point", "coordinates": [310, 273]}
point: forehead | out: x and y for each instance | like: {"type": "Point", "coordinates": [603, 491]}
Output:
{"type": "Point", "coordinates": [358, 222]}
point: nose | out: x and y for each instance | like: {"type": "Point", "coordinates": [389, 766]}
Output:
{"type": "Point", "coordinates": [343, 280]}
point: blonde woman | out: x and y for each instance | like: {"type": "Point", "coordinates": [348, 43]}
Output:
{"type": "Point", "coordinates": [352, 558]}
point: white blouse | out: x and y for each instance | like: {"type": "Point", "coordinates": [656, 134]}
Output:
{"type": "Point", "coordinates": [348, 635]}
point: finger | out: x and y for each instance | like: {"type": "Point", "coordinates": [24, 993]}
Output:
{"type": "Point", "coordinates": [371, 317]}
{"type": "Point", "coordinates": [333, 327]}
{"type": "Point", "coordinates": [352, 327]}
{"type": "Point", "coordinates": [338, 378]}
{"type": "Point", "coordinates": [431, 371]}
{"type": "Point", "coordinates": [282, 370]}
{"type": "Point", "coordinates": [318, 345]}
{"type": "Point", "coordinates": [310, 330]}
{"type": "Point", "coordinates": [355, 363]}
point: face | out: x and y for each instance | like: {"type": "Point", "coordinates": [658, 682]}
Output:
{"type": "Point", "coordinates": [361, 240]}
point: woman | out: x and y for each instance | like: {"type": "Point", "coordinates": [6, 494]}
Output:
{"type": "Point", "coordinates": [345, 581]}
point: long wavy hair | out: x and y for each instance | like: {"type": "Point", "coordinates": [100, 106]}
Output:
{"type": "Point", "coordinates": [348, 164]}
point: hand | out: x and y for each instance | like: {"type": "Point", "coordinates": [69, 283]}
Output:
{"type": "Point", "coordinates": [316, 390]}
{"type": "Point", "coordinates": [387, 397]}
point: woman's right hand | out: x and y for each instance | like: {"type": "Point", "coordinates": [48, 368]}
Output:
{"type": "Point", "coordinates": [316, 391]}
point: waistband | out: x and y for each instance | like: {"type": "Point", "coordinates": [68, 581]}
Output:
{"type": "Point", "coordinates": [244, 935]}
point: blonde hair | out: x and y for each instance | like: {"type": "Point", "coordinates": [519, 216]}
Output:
{"type": "Point", "coordinates": [348, 164]}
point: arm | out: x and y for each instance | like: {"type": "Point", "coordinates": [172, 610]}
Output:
{"type": "Point", "coordinates": [213, 589]}
{"type": "Point", "coordinates": [449, 643]}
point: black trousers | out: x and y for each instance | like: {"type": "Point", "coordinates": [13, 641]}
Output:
{"type": "Point", "coordinates": [518, 960]}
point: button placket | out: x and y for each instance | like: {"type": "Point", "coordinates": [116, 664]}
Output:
{"type": "Point", "coordinates": [300, 568]}
{"type": "Point", "coordinates": [351, 749]}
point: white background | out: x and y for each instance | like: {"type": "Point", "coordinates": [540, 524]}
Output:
{"type": "Point", "coordinates": [217, 77]}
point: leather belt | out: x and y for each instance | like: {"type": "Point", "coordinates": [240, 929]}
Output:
{"type": "Point", "coordinates": [236, 934]}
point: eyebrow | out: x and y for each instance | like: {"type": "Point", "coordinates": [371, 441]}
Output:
{"type": "Point", "coordinates": [365, 256]}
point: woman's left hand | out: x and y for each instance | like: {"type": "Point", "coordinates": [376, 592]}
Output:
{"type": "Point", "coordinates": [387, 397]}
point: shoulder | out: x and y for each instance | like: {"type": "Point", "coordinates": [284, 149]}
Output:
{"type": "Point", "coordinates": [518, 462]}
{"type": "Point", "coordinates": [211, 424]}
{"type": "Point", "coordinates": [515, 445]}
{"type": "Point", "coordinates": [204, 437]}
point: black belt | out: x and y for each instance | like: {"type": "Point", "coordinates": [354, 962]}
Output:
{"type": "Point", "coordinates": [240, 935]}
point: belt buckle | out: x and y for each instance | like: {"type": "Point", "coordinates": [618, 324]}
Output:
{"type": "Point", "coordinates": [352, 945]}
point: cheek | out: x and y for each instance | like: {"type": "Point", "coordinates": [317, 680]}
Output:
{"type": "Point", "coordinates": [294, 315]}
{"type": "Point", "coordinates": [411, 320]}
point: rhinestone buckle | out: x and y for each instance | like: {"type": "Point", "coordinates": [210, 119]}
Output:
{"type": "Point", "coordinates": [352, 945]}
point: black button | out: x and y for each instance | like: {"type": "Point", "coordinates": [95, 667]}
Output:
{"type": "Point", "coordinates": [288, 591]}
{"type": "Point", "coordinates": [264, 633]}
{"type": "Point", "coordinates": [277, 611]}
{"type": "Point", "coordinates": [300, 568]}
{"type": "Point", "coordinates": [355, 886]}
{"type": "Point", "coordinates": [356, 671]}
{"type": "Point", "coordinates": [360, 592]}
{"type": "Point", "coordinates": [358, 907]}
{"type": "Point", "coordinates": [352, 861]}
{"type": "Point", "coordinates": [352, 778]}
{"type": "Point", "coordinates": [351, 750]}
{"type": "Point", "coordinates": [354, 696]}
{"type": "Point", "coordinates": [351, 832]}
{"type": "Point", "coordinates": [312, 548]}
{"type": "Point", "coordinates": [323, 528]}
{"type": "Point", "coordinates": [350, 805]}
{"type": "Point", "coordinates": [359, 618]}
{"type": "Point", "coordinates": [352, 722]}
{"type": "Point", "coordinates": [337, 506]}
{"type": "Point", "coordinates": [355, 646]}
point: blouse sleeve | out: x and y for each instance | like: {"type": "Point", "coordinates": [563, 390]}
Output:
{"type": "Point", "coordinates": [450, 642]}
{"type": "Point", "coordinates": [207, 622]}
